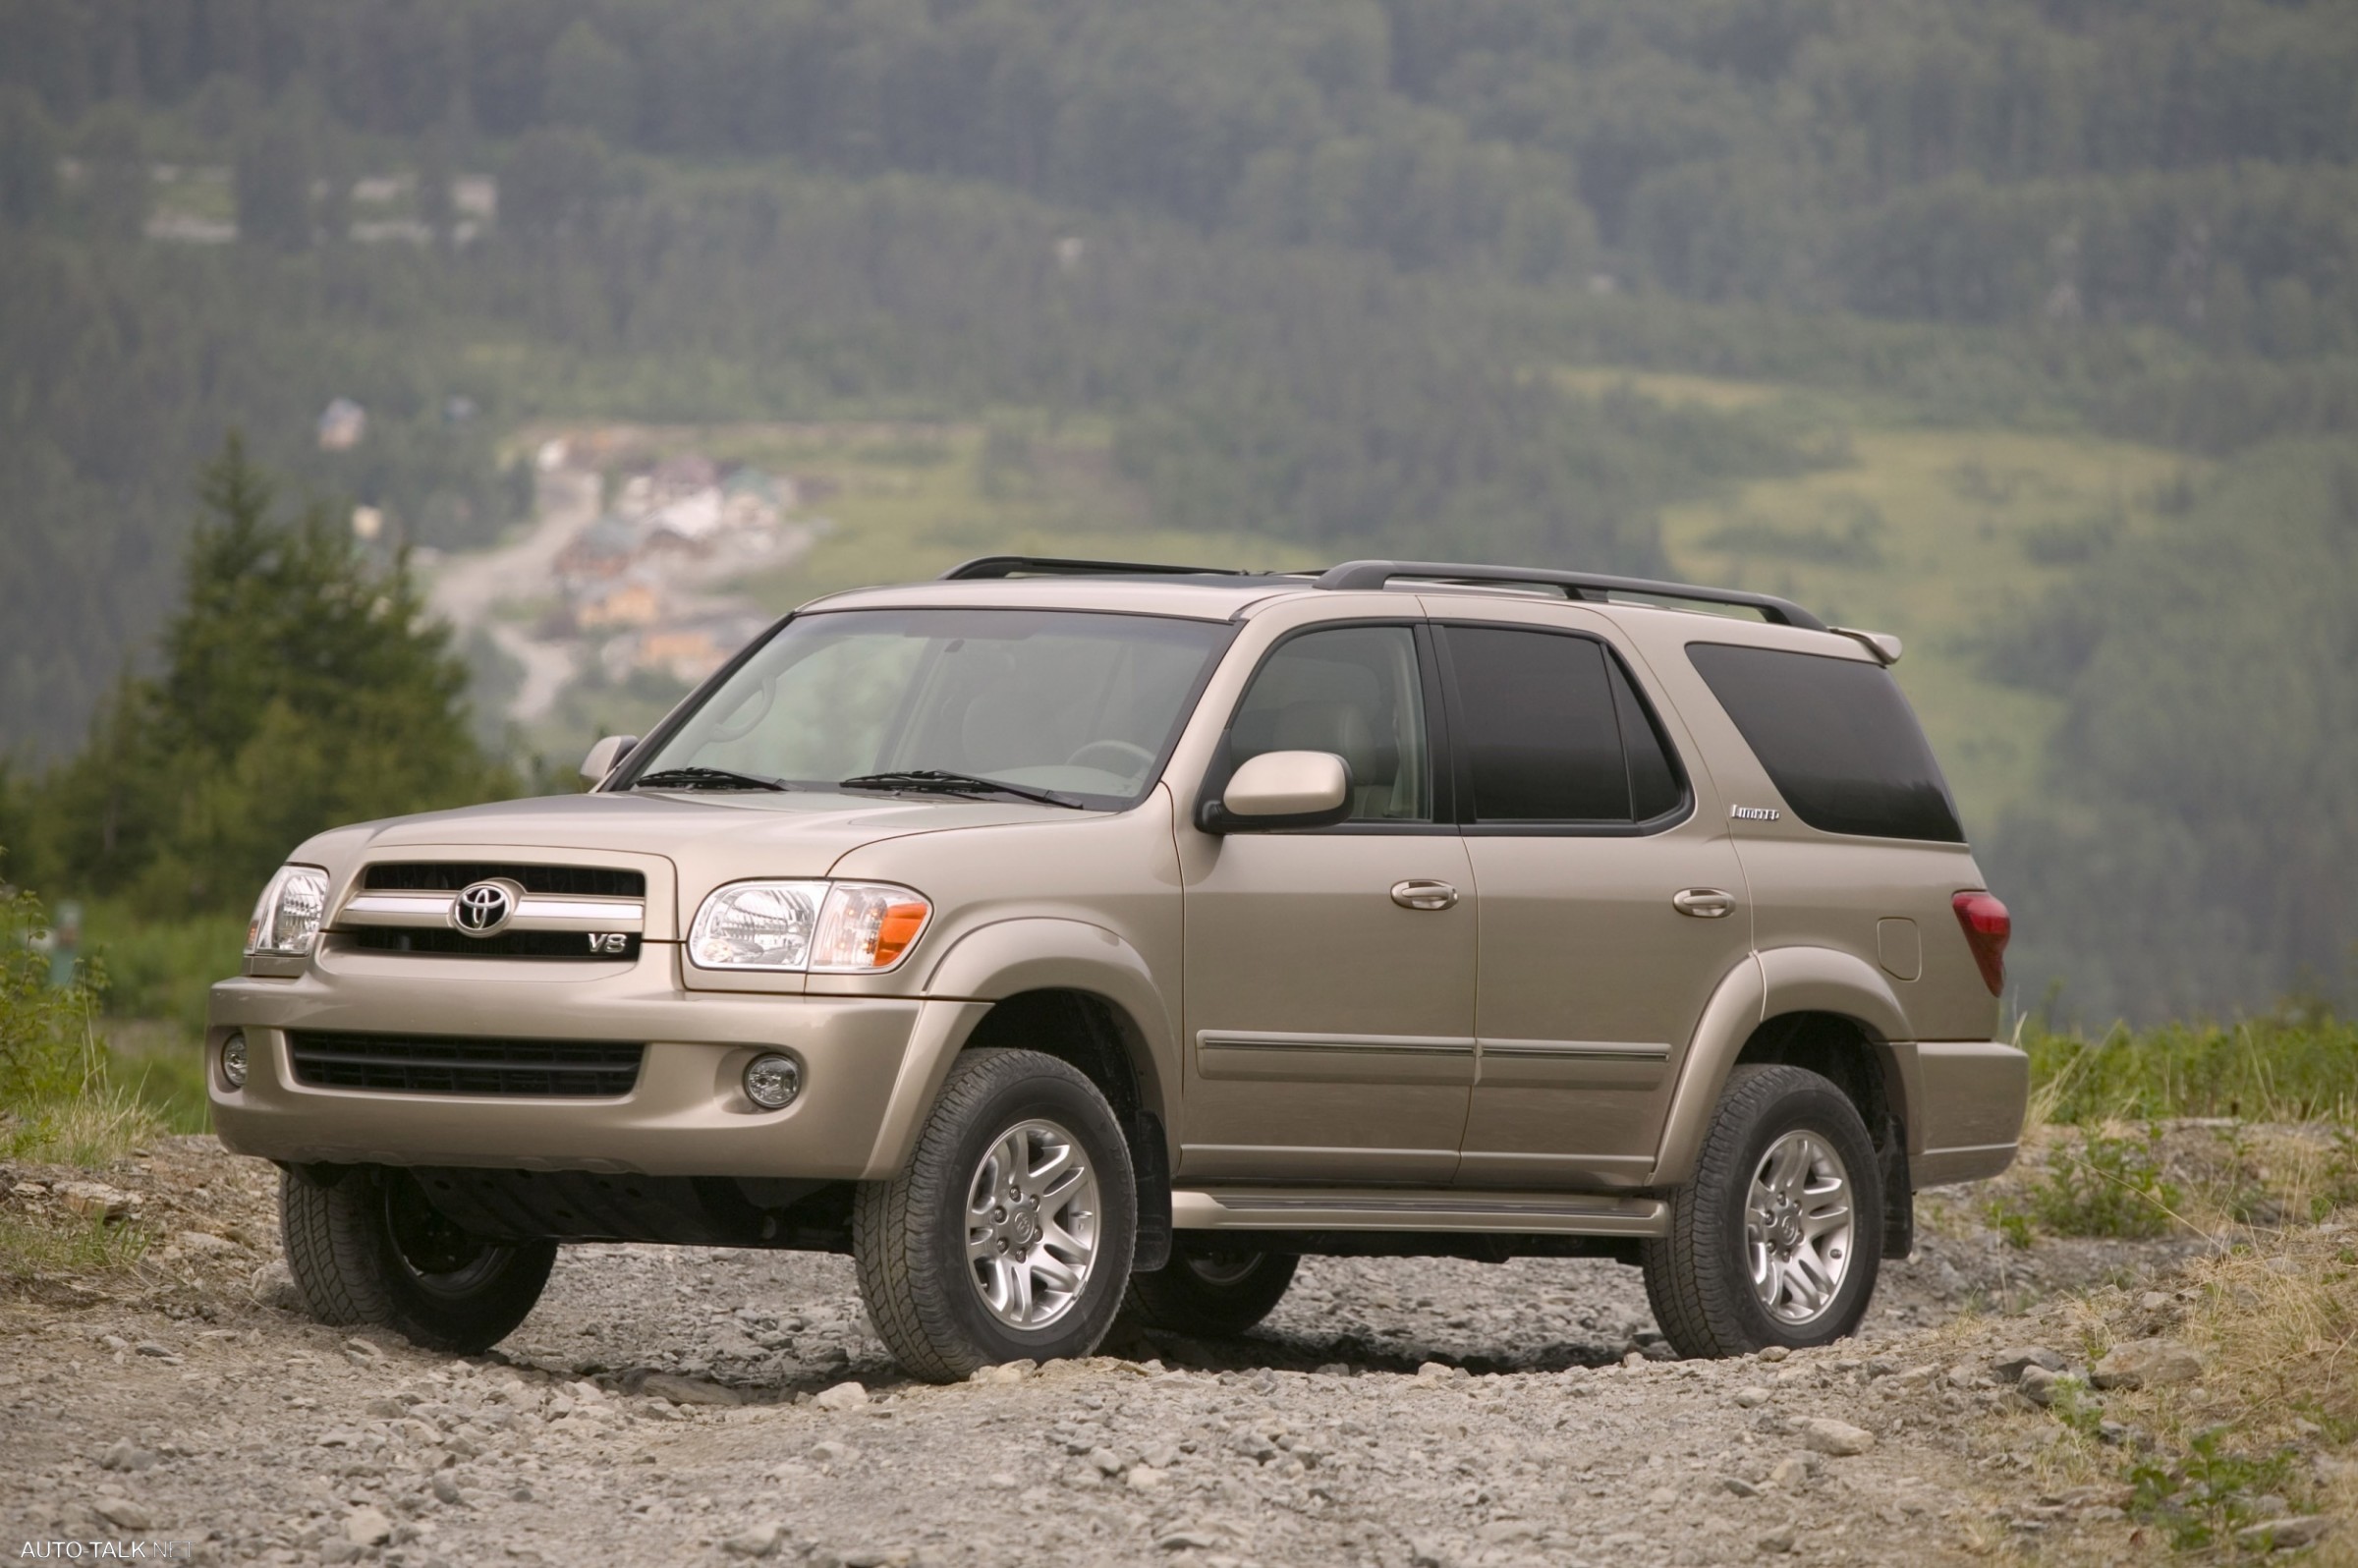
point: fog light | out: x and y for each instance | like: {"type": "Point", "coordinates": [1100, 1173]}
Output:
{"type": "Point", "coordinates": [772, 1081]}
{"type": "Point", "coordinates": [233, 1061]}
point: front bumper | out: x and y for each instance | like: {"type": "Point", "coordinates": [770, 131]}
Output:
{"type": "Point", "coordinates": [687, 1115]}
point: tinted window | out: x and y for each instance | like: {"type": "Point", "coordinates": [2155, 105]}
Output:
{"type": "Point", "coordinates": [1354, 691]}
{"type": "Point", "coordinates": [1839, 740]}
{"type": "Point", "coordinates": [1544, 718]}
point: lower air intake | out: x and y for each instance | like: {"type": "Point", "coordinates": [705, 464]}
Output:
{"type": "Point", "coordinates": [518, 1069]}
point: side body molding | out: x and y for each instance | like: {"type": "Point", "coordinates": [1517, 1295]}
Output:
{"type": "Point", "coordinates": [1008, 958]}
{"type": "Point", "coordinates": [1781, 980]}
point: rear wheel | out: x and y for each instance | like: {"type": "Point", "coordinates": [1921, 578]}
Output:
{"type": "Point", "coordinates": [1225, 1294]}
{"type": "Point", "coordinates": [1009, 1235]}
{"type": "Point", "coordinates": [366, 1247]}
{"type": "Point", "coordinates": [1778, 1238]}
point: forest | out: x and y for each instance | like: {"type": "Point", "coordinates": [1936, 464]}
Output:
{"type": "Point", "coordinates": [1315, 262]}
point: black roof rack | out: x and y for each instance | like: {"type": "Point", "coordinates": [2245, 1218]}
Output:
{"type": "Point", "coordinates": [1000, 566]}
{"type": "Point", "coordinates": [1576, 585]}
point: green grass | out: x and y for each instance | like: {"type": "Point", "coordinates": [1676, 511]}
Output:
{"type": "Point", "coordinates": [2287, 1069]}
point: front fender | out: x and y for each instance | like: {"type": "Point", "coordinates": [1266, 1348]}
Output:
{"type": "Point", "coordinates": [1008, 958]}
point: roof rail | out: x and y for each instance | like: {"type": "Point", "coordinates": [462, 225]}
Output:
{"type": "Point", "coordinates": [1001, 566]}
{"type": "Point", "coordinates": [1589, 586]}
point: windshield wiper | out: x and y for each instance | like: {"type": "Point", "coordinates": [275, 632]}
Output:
{"type": "Point", "coordinates": [942, 781]}
{"type": "Point", "coordinates": [703, 779]}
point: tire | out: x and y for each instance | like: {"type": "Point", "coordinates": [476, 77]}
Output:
{"type": "Point", "coordinates": [369, 1248]}
{"type": "Point", "coordinates": [1002, 1117]}
{"type": "Point", "coordinates": [1700, 1277]}
{"type": "Point", "coordinates": [1214, 1296]}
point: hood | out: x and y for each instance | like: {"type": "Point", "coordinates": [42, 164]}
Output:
{"type": "Point", "coordinates": [699, 840]}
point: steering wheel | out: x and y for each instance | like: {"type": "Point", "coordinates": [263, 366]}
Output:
{"type": "Point", "coordinates": [1138, 758]}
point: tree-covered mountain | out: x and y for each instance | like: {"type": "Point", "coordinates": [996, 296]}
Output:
{"type": "Point", "coordinates": [1314, 263]}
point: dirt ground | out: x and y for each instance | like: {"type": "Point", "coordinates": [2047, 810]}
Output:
{"type": "Point", "coordinates": [695, 1406]}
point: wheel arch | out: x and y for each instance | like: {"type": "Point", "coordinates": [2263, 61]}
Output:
{"type": "Point", "coordinates": [1074, 990]}
{"type": "Point", "coordinates": [1819, 1008]}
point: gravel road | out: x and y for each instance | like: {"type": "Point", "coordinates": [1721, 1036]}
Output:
{"type": "Point", "coordinates": [709, 1407]}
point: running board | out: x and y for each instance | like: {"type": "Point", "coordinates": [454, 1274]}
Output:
{"type": "Point", "coordinates": [1450, 1209]}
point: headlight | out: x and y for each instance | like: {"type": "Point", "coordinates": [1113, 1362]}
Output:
{"type": "Point", "coordinates": [821, 928]}
{"type": "Point", "coordinates": [287, 916]}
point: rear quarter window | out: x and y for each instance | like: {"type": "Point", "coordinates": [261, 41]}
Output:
{"type": "Point", "coordinates": [1839, 740]}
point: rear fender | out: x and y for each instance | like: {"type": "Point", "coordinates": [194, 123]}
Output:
{"type": "Point", "coordinates": [1770, 984]}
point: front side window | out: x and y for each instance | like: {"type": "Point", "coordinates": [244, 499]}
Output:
{"type": "Point", "coordinates": [1353, 691]}
{"type": "Point", "coordinates": [1552, 730]}
{"type": "Point", "coordinates": [1080, 704]}
{"type": "Point", "coordinates": [1839, 740]}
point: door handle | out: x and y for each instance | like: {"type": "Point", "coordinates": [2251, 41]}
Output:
{"type": "Point", "coordinates": [1704, 903]}
{"type": "Point", "coordinates": [1417, 893]}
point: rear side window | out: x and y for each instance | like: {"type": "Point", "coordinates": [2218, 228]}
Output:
{"type": "Point", "coordinates": [1552, 731]}
{"type": "Point", "coordinates": [1837, 738]}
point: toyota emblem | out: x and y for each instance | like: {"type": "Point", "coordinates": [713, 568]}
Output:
{"type": "Point", "coordinates": [483, 909]}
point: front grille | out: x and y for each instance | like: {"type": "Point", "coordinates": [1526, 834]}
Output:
{"type": "Point", "coordinates": [507, 944]}
{"type": "Point", "coordinates": [411, 1064]}
{"type": "Point", "coordinates": [448, 876]}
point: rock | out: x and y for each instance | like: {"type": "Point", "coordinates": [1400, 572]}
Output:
{"type": "Point", "coordinates": [760, 1542]}
{"type": "Point", "coordinates": [1775, 1353]}
{"type": "Point", "coordinates": [1792, 1469]}
{"type": "Point", "coordinates": [675, 1389]}
{"type": "Point", "coordinates": [1840, 1438]}
{"type": "Point", "coordinates": [1187, 1541]}
{"type": "Point", "coordinates": [1434, 1371]}
{"type": "Point", "coordinates": [367, 1525]}
{"type": "Point", "coordinates": [1011, 1371]}
{"type": "Point", "coordinates": [2037, 1384]}
{"type": "Point", "coordinates": [203, 1243]}
{"type": "Point", "coordinates": [1335, 1368]}
{"type": "Point", "coordinates": [2283, 1534]}
{"type": "Point", "coordinates": [1752, 1398]}
{"type": "Point", "coordinates": [128, 1457]}
{"type": "Point", "coordinates": [1777, 1542]}
{"type": "Point", "coordinates": [522, 1493]}
{"type": "Point", "coordinates": [2010, 1363]}
{"type": "Point", "coordinates": [830, 1453]}
{"type": "Point", "coordinates": [1739, 1486]}
{"type": "Point", "coordinates": [1106, 1461]}
{"type": "Point", "coordinates": [121, 1512]}
{"type": "Point", "coordinates": [2147, 1363]}
{"type": "Point", "coordinates": [1425, 1552]}
{"type": "Point", "coordinates": [843, 1396]}
{"type": "Point", "coordinates": [446, 1491]}
{"type": "Point", "coordinates": [1143, 1478]}
{"type": "Point", "coordinates": [150, 1347]}
{"type": "Point", "coordinates": [96, 1199]}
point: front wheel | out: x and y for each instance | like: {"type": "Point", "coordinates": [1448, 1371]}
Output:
{"type": "Point", "coordinates": [1009, 1234]}
{"type": "Point", "coordinates": [1778, 1238]}
{"type": "Point", "coordinates": [366, 1247]}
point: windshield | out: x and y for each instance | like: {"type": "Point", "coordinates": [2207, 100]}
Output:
{"type": "Point", "coordinates": [1078, 703]}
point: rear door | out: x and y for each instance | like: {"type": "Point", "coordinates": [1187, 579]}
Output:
{"type": "Point", "coordinates": [1611, 900]}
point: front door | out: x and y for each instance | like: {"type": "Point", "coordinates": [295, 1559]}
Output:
{"type": "Point", "coordinates": [1328, 998]}
{"type": "Point", "coordinates": [1611, 907]}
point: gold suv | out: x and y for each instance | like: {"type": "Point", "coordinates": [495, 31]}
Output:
{"type": "Point", "coordinates": [1065, 936]}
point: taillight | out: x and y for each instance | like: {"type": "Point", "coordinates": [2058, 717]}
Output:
{"type": "Point", "coordinates": [1986, 927]}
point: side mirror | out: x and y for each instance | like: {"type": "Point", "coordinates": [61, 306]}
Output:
{"type": "Point", "coordinates": [1280, 790]}
{"type": "Point", "coordinates": [606, 755]}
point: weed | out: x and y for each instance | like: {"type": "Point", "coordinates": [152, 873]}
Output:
{"type": "Point", "coordinates": [2208, 1495]}
{"type": "Point", "coordinates": [2071, 1404]}
{"type": "Point", "coordinates": [30, 1252]}
{"type": "Point", "coordinates": [2109, 1187]}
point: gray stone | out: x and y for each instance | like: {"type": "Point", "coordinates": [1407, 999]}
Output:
{"type": "Point", "coordinates": [1739, 1486]}
{"type": "Point", "coordinates": [2283, 1534]}
{"type": "Point", "coordinates": [2147, 1363]}
{"type": "Point", "coordinates": [446, 1491]}
{"type": "Point", "coordinates": [678, 1390]}
{"type": "Point", "coordinates": [1775, 1353]}
{"type": "Point", "coordinates": [1778, 1541]}
{"type": "Point", "coordinates": [2010, 1363]}
{"type": "Point", "coordinates": [1190, 1540]}
{"type": "Point", "coordinates": [1840, 1438]}
{"type": "Point", "coordinates": [128, 1457]}
{"type": "Point", "coordinates": [121, 1512]}
{"type": "Point", "coordinates": [1750, 1398]}
{"type": "Point", "coordinates": [761, 1541]}
{"type": "Point", "coordinates": [843, 1396]}
{"type": "Point", "coordinates": [367, 1525]}
{"type": "Point", "coordinates": [2037, 1384]}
